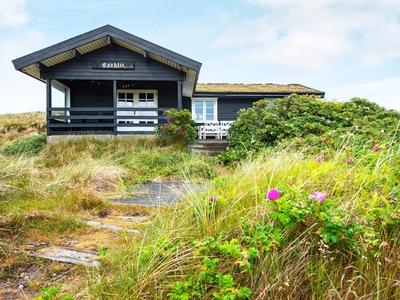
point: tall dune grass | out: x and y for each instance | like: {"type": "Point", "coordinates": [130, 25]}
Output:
{"type": "Point", "coordinates": [77, 176]}
{"type": "Point", "coordinates": [235, 227]}
{"type": "Point", "coordinates": [228, 240]}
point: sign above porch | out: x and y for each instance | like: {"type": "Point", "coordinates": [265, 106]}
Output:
{"type": "Point", "coordinates": [113, 65]}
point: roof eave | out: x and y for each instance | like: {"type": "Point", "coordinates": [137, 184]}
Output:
{"type": "Point", "coordinates": [98, 33]}
{"type": "Point", "coordinates": [254, 95]}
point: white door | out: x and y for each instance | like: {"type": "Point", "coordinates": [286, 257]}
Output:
{"type": "Point", "coordinates": [125, 99]}
{"type": "Point", "coordinates": [137, 98]}
{"type": "Point", "coordinates": [147, 99]}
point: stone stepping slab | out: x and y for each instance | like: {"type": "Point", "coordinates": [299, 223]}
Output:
{"type": "Point", "coordinates": [69, 255]}
{"type": "Point", "coordinates": [158, 193]}
{"type": "Point", "coordinates": [109, 226]}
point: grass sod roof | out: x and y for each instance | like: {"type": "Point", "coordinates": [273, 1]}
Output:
{"type": "Point", "coordinates": [291, 88]}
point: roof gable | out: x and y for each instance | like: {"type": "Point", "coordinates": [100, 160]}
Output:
{"type": "Point", "coordinates": [102, 37]}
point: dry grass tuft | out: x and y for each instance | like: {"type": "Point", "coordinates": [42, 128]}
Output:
{"type": "Point", "coordinates": [14, 126]}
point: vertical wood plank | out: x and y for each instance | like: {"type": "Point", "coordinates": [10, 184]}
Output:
{"type": "Point", "coordinates": [48, 104]}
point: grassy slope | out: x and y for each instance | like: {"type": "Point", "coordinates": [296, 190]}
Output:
{"type": "Point", "coordinates": [13, 126]}
{"type": "Point", "coordinates": [42, 197]}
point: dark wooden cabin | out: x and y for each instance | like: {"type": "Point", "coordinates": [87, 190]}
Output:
{"type": "Point", "coordinates": [110, 82]}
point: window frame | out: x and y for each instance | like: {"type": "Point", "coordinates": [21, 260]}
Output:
{"type": "Point", "coordinates": [136, 104]}
{"type": "Point", "coordinates": [205, 100]}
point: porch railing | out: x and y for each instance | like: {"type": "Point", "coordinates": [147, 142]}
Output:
{"type": "Point", "coordinates": [103, 120]}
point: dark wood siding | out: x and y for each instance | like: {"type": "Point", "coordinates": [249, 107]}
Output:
{"type": "Point", "coordinates": [87, 93]}
{"type": "Point", "coordinates": [144, 70]}
{"type": "Point", "coordinates": [228, 107]}
{"type": "Point", "coordinates": [187, 103]}
{"type": "Point", "coordinates": [91, 94]}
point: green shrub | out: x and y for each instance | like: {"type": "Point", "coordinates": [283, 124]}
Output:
{"type": "Point", "coordinates": [30, 145]}
{"type": "Point", "coordinates": [179, 130]}
{"type": "Point", "coordinates": [307, 121]}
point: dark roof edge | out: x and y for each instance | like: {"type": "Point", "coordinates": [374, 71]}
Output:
{"type": "Point", "coordinates": [98, 33]}
{"type": "Point", "coordinates": [253, 94]}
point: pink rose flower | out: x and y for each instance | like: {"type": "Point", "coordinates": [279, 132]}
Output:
{"type": "Point", "coordinates": [319, 196]}
{"type": "Point", "coordinates": [375, 148]}
{"type": "Point", "coordinates": [273, 194]}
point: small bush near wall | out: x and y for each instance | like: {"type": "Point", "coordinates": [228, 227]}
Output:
{"type": "Point", "coordinates": [179, 130]}
{"type": "Point", "coordinates": [30, 145]}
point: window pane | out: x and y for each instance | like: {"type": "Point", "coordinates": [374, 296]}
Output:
{"type": "Point", "coordinates": [210, 110]}
{"type": "Point", "coordinates": [142, 103]}
{"type": "Point", "coordinates": [210, 104]}
{"type": "Point", "coordinates": [209, 117]}
{"type": "Point", "coordinates": [199, 104]}
{"type": "Point", "coordinates": [129, 96]}
{"type": "Point", "coordinates": [150, 95]}
{"type": "Point", "coordinates": [142, 95]}
{"type": "Point", "coordinates": [121, 95]}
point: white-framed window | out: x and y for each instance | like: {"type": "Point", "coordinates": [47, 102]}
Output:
{"type": "Point", "coordinates": [137, 98]}
{"type": "Point", "coordinates": [204, 109]}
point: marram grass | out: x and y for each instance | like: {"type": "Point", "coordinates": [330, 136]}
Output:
{"type": "Point", "coordinates": [230, 237]}
{"type": "Point", "coordinates": [228, 240]}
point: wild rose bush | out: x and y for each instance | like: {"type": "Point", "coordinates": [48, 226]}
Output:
{"type": "Point", "coordinates": [312, 123]}
{"type": "Point", "coordinates": [179, 130]}
{"type": "Point", "coordinates": [282, 226]}
{"type": "Point", "coordinates": [303, 228]}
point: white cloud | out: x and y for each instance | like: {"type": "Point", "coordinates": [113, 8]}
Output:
{"type": "Point", "coordinates": [12, 13]}
{"type": "Point", "coordinates": [22, 44]}
{"type": "Point", "coordinates": [385, 92]}
{"type": "Point", "coordinates": [18, 92]}
{"type": "Point", "coordinates": [314, 35]}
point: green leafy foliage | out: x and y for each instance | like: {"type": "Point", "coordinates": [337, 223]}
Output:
{"type": "Point", "coordinates": [29, 146]}
{"type": "Point", "coordinates": [179, 130]}
{"type": "Point", "coordinates": [307, 121]}
{"type": "Point", "coordinates": [52, 293]}
{"type": "Point", "coordinates": [296, 209]}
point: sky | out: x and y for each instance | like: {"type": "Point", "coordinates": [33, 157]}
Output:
{"type": "Point", "coordinates": [346, 48]}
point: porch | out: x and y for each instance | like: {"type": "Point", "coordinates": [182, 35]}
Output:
{"type": "Point", "coordinates": [103, 120]}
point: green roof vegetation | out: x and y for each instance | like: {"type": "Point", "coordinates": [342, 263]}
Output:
{"type": "Point", "coordinates": [253, 88]}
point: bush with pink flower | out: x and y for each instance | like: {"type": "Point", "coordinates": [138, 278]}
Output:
{"type": "Point", "coordinates": [180, 128]}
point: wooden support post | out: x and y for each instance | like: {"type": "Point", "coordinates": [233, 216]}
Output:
{"type": "Point", "coordinates": [115, 105]}
{"type": "Point", "coordinates": [180, 101]}
{"type": "Point", "coordinates": [48, 104]}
